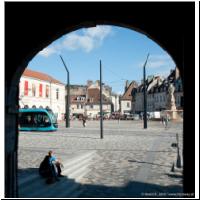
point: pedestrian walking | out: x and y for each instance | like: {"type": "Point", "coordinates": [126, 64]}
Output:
{"type": "Point", "coordinates": [162, 120]}
{"type": "Point", "coordinates": [84, 121]}
{"type": "Point", "coordinates": [166, 120]}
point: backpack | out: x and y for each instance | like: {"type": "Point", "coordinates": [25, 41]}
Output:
{"type": "Point", "coordinates": [45, 168]}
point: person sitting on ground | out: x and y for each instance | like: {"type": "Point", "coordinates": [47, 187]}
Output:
{"type": "Point", "coordinates": [55, 165]}
{"type": "Point", "coordinates": [50, 168]}
{"type": "Point", "coordinates": [45, 168]}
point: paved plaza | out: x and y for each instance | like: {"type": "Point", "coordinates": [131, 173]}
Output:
{"type": "Point", "coordinates": [130, 161]}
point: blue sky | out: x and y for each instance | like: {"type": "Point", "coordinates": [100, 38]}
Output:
{"type": "Point", "coordinates": [122, 52]}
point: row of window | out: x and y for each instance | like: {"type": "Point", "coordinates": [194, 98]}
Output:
{"type": "Point", "coordinates": [81, 106]}
{"type": "Point", "coordinates": [33, 90]}
{"type": "Point", "coordinates": [34, 106]}
{"type": "Point", "coordinates": [162, 98]}
{"type": "Point", "coordinates": [157, 99]}
{"type": "Point", "coordinates": [80, 98]}
{"type": "Point", "coordinates": [178, 88]}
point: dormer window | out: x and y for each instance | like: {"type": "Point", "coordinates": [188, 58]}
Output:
{"type": "Point", "coordinates": [78, 98]}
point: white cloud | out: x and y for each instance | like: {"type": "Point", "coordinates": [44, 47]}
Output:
{"type": "Point", "coordinates": [47, 51]}
{"type": "Point", "coordinates": [89, 39]}
{"type": "Point", "coordinates": [75, 41]}
{"type": "Point", "coordinates": [99, 32]}
{"type": "Point", "coordinates": [156, 63]}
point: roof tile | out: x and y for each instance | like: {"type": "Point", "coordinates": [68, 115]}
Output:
{"type": "Point", "coordinates": [40, 76]}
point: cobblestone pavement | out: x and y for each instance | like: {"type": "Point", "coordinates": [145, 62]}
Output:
{"type": "Point", "coordinates": [130, 161]}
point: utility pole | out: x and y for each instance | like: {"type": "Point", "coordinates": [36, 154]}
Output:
{"type": "Point", "coordinates": [68, 96]}
{"type": "Point", "coordinates": [145, 95]}
{"type": "Point", "coordinates": [101, 112]}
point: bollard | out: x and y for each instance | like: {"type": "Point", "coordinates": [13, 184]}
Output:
{"type": "Point", "coordinates": [178, 162]}
{"type": "Point", "coordinates": [172, 169]}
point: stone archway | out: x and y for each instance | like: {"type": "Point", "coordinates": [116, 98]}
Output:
{"type": "Point", "coordinates": [43, 27]}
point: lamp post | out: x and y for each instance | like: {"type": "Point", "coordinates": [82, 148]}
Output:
{"type": "Point", "coordinates": [68, 96]}
{"type": "Point", "coordinates": [145, 95]}
{"type": "Point", "coordinates": [101, 112]}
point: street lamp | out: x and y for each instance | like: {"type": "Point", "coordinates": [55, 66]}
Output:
{"type": "Point", "coordinates": [145, 95]}
{"type": "Point", "coordinates": [68, 96]}
{"type": "Point", "coordinates": [101, 102]}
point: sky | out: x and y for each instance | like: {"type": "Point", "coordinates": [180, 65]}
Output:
{"type": "Point", "coordinates": [122, 52]}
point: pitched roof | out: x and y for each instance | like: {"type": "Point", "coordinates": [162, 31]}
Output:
{"type": "Point", "coordinates": [128, 93]}
{"type": "Point", "coordinates": [40, 76]}
{"type": "Point", "coordinates": [94, 93]}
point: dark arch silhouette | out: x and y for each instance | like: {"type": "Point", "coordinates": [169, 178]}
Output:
{"type": "Point", "coordinates": [29, 27]}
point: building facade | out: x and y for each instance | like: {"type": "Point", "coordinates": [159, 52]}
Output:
{"type": "Point", "coordinates": [39, 90]}
{"type": "Point", "coordinates": [115, 102]}
{"type": "Point", "coordinates": [127, 101]}
{"type": "Point", "coordinates": [85, 100]}
{"type": "Point", "coordinates": [157, 93]}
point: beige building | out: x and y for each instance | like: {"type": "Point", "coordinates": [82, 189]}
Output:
{"type": "Point", "coordinates": [157, 92]}
{"type": "Point", "coordinates": [77, 105]}
{"type": "Point", "coordinates": [93, 103]}
{"type": "Point", "coordinates": [85, 100]}
{"type": "Point", "coordinates": [77, 99]}
{"type": "Point", "coordinates": [115, 102]}
{"type": "Point", "coordinates": [92, 110]}
{"type": "Point", "coordinates": [127, 102]}
{"type": "Point", "coordinates": [39, 90]}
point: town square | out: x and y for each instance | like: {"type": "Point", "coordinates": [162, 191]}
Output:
{"type": "Point", "coordinates": [128, 162]}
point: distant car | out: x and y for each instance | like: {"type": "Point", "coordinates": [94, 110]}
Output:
{"type": "Point", "coordinates": [122, 117]}
{"type": "Point", "coordinates": [136, 116]}
{"type": "Point", "coordinates": [130, 117]}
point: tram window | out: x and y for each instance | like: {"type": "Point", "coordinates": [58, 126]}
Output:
{"type": "Point", "coordinates": [26, 120]}
{"type": "Point", "coordinates": [33, 119]}
{"type": "Point", "coordinates": [42, 120]}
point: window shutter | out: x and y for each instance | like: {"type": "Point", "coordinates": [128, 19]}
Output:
{"type": "Point", "coordinates": [26, 88]}
{"type": "Point", "coordinates": [40, 90]}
